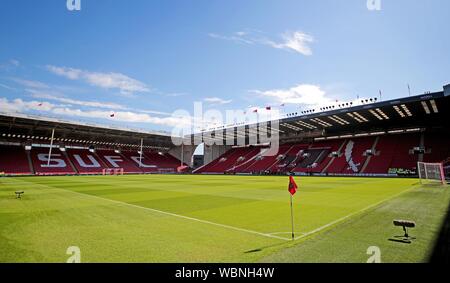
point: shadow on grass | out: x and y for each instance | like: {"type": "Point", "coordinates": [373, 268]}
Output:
{"type": "Point", "coordinates": [265, 247]}
{"type": "Point", "coordinates": [403, 241]}
{"type": "Point", "coordinates": [441, 251]}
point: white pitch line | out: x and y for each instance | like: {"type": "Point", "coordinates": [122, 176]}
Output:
{"type": "Point", "coordinates": [350, 215]}
{"type": "Point", "coordinates": [167, 213]}
{"type": "Point", "coordinates": [270, 235]}
{"type": "Point", "coordinates": [278, 233]}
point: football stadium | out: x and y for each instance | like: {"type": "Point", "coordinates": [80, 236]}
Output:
{"type": "Point", "coordinates": [224, 139]}
{"type": "Point", "coordinates": [127, 196]}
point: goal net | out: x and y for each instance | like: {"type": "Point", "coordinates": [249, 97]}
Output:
{"type": "Point", "coordinates": [431, 172]}
{"type": "Point", "coordinates": [113, 171]}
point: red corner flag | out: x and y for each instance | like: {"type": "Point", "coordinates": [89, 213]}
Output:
{"type": "Point", "coordinates": [292, 186]}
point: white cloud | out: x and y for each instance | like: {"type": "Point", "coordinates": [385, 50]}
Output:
{"type": "Point", "coordinates": [176, 94]}
{"type": "Point", "coordinates": [306, 94]}
{"type": "Point", "coordinates": [30, 83]}
{"type": "Point", "coordinates": [48, 95]}
{"type": "Point", "coordinates": [19, 105]}
{"type": "Point", "coordinates": [95, 104]}
{"type": "Point", "coordinates": [217, 101]}
{"type": "Point", "coordinates": [41, 90]}
{"type": "Point", "coordinates": [296, 41]}
{"type": "Point", "coordinates": [125, 84]}
{"type": "Point", "coordinates": [11, 64]}
{"type": "Point", "coordinates": [237, 36]}
{"type": "Point", "coordinates": [8, 87]}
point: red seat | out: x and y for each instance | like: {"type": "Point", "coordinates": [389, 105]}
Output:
{"type": "Point", "coordinates": [14, 160]}
{"type": "Point", "coordinates": [111, 159]}
{"type": "Point", "coordinates": [144, 164]}
{"type": "Point", "coordinates": [437, 147]}
{"type": "Point", "coordinates": [59, 164]}
{"type": "Point", "coordinates": [85, 161]}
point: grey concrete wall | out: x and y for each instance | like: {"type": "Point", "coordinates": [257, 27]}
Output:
{"type": "Point", "coordinates": [188, 152]}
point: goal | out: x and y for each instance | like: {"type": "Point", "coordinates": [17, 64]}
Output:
{"type": "Point", "coordinates": [113, 171]}
{"type": "Point", "coordinates": [431, 172]}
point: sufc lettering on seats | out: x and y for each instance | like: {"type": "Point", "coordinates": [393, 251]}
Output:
{"type": "Point", "coordinates": [113, 159]}
{"type": "Point", "coordinates": [55, 161]}
{"type": "Point", "coordinates": [136, 159]}
{"type": "Point", "coordinates": [93, 162]}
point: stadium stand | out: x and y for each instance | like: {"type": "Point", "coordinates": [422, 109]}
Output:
{"type": "Point", "coordinates": [231, 161]}
{"type": "Point", "coordinates": [111, 159]}
{"type": "Point", "coordinates": [388, 152]}
{"type": "Point", "coordinates": [85, 162]}
{"type": "Point", "coordinates": [369, 137]}
{"type": "Point", "coordinates": [261, 163]}
{"type": "Point", "coordinates": [59, 163]}
{"type": "Point", "coordinates": [403, 156]}
{"type": "Point", "coordinates": [143, 163]}
{"type": "Point", "coordinates": [354, 154]}
{"type": "Point", "coordinates": [289, 160]}
{"type": "Point", "coordinates": [14, 160]}
{"type": "Point", "coordinates": [437, 147]}
{"type": "Point", "coordinates": [383, 154]}
{"type": "Point", "coordinates": [165, 162]}
{"type": "Point", "coordinates": [329, 147]}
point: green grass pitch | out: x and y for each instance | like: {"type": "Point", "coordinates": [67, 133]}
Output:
{"type": "Point", "coordinates": [176, 218]}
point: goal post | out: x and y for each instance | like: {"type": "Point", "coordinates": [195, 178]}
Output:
{"type": "Point", "coordinates": [431, 172]}
{"type": "Point", "coordinates": [112, 171]}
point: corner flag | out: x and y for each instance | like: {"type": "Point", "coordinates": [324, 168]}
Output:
{"type": "Point", "coordinates": [292, 186]}
{"type": "Point", "coordinates": [292, 190]}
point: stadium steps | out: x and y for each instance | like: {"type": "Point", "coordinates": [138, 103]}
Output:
{"type": "Point", "coordinates": [314, 155]}
{"type": "Point", "coordinates": [422, 145]}
{"type": "Point", "coordinates": [30, 163]}
{"type": "Point", "coordinates": [298, 158]}
{"type": "Point", "coordinates": [132, 164]}
{"type": "Point", "coordinates": [199, 169]}
{"type": "Point", "coordinates": [264, 163]}
{"type": "Point", "coordinates": [320, 157]}
{"type": "Point", "coordinates": [251, 160]}
{"type": "Point", "coordinates": [367, 162]}
{"type": "Point", "coordinates": [250, 154]}
{"type": "Point", "coordinates": [74, 168]}
{"type": "Point", "coordinates": [100, 160]}
{"type": "Point", "coordinates": [278, 161]}
{"type": "Point", "coordinates": [384, 152]}
{"type": "Point", "coordinates": [332, 159]}
{"type": "Point", "coordinates": [216, 165]}
{"type": "Point", "coordinates": [403, 157]}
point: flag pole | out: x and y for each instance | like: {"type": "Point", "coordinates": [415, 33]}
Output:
{"type": "Point", "coordinates": [292, 220]}
{"type": "Point", "coordinates": [51, 147]}
{"type": "Point", "coordinates": [141, 152]}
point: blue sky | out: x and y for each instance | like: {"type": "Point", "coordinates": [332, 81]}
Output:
{"type": "Point", "coordinates": [142, 60]}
